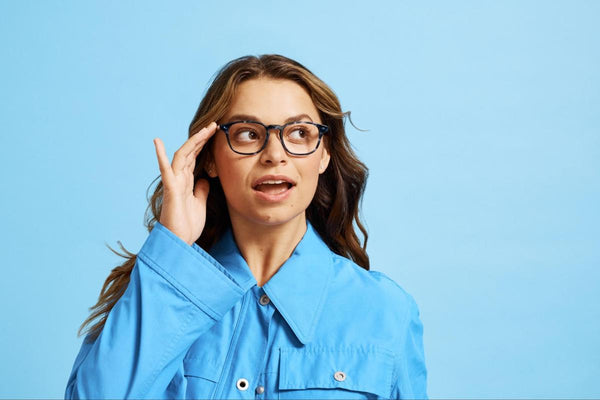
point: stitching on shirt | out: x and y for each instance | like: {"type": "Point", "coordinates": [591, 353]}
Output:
{"type": "Point", "coordinates": [303, 336]}
{"type": "Point", "coordinates": [369, 349]}
{"type": "Point", "coordinates": [179, 287]}
{"type": "Point", "coordinates": [268, 346]}
{"type": "Point", "coordinates": [291, 322]}
{"type": "Point", "coordinates": [396, 369]}
{"type": "Point", "coordinates": [182, 288]}
{"type": "Point", "coordinates": [323, 296]}
{"type": "Point", "coordinates": [397, 356]}
{"type": "Point", "coordinates": [166, 355]}
{"type": "Point", "coordinates": [385, 362]}
{"type": "Point", "coordinates": [196, 254]}
{"type": "Point", "coordinates": [210, 258]}
{"type": "Point", "coordinates": [234, 341]}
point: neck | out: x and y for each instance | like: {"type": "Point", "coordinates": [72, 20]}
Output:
{"type": "Point", "coordinates": [266, 247]}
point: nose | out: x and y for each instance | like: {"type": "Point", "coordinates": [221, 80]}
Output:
{"type": "Point", "coordinates": [273, 153]}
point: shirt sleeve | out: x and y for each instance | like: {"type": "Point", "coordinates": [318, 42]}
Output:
{"type": "Point", "coordinates": [176, 293]}
{"type": "Point", "coordinates": [410, 380]}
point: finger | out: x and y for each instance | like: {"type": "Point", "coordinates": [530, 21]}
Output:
{"type": "Point", "coordinates": [200, 138]}
{"type": "Point", "coordinates": [182, 159]}
{"type": "Point", "coordinates": [200, 145]}
{"type": "Point", "coordinates": [163, 161]}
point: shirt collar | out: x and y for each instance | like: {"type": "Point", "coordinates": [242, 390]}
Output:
{"type": "Point", "coordinates": [298, 289]}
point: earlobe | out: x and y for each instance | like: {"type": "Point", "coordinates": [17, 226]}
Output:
{"type": "Point", "coordinates": [209, 165]}
{"type": "Point", "coordinates": [210, 170]}
{"type": "Point", "coordinates": [324, 161]}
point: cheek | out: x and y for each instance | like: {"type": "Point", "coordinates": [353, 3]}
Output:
{"type": "Point", "coordinates": [311, 174]}
{"type": "Point", "coordinates": [230, 171]}
{"type": "Point", "coordinates": [232, 178]}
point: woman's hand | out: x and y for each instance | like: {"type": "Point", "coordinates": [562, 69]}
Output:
{"type": "Point", "coordinates": [184, 205]}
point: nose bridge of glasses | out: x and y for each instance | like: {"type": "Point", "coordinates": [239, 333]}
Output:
{"type": "Point", "coordinates": [277, 138]}
{"type": "Point", "coordinates": [277, 128]}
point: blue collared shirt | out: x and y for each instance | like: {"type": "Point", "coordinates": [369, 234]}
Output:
{"type": "Point", "coordinates": [195, 324]}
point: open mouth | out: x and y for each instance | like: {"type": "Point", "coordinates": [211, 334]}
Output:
{"type": "Point", "coordinates": [273, 187]}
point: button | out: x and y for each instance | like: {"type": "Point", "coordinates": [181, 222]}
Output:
{"type": "Point", "coordinates": [260, 389]}
{"type": "Point", "coordinates": [242, 384]}
{"type": "Point", "coordinates": [264, 300]}
{"type": "Point", "coordinates": [339, 376]}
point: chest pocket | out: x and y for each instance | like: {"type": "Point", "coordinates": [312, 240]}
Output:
{"type": "Point", "coordinates": [347, 372]}
{"type": "Point", "coordinates": [201, 378]}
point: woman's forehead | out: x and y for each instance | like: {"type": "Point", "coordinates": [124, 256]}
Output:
{"type": "Point", "coordinates": [271, 101]}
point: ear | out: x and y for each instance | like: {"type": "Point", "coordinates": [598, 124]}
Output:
{"type": "Point", "coordinates": [325, 156]}
{"type": "Point", "coordinates": [211, 171]}
{"type": "Point", "coordinates": [210, 167]}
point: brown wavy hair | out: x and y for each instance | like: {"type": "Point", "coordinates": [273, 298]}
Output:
{"type": "Point", "coordinates": [337, 200]}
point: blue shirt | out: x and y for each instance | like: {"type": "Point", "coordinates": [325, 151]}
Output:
{"type": "Point", "coordinates": [195, 324]}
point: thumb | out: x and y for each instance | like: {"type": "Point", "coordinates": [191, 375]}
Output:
{"type": "Point", "coordinates": [201, 189]}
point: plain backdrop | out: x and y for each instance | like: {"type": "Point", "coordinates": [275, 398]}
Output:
{"type": "Point", "coordinates": [483, 146]}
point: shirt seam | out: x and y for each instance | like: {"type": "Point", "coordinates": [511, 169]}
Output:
{"type": "Point", "coordinates": [179, 287]}
{"type": "Point", "coordinates": [166, 353]}
{"type": "Point", "coordinates": [199, 254]}
{"type": "Point", "coordinates": [396, 368]}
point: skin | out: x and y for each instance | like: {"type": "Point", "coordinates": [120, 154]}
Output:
{"type": "Point", "coordinates": [266, 233]}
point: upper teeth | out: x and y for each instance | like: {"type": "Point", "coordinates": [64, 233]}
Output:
{"type": "Point", "coordinates": [273, 182]}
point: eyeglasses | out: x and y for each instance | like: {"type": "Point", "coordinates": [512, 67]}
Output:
{"type": "Point", "coordinates": [251, 137]}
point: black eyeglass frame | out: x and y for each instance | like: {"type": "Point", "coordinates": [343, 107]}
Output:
{"type": "Point", "coordinates": [322, 130]}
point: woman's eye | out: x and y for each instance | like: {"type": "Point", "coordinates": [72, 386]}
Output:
{"type": "Point", "coordinates": [297, 134]}
{"type": "Point", "coordinates": [246, 135]}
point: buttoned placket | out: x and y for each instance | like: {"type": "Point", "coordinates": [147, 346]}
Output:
{"type": "Point", "coordinates": [246, 377]}
{"type": "Point", "coordinates": [269, 310]}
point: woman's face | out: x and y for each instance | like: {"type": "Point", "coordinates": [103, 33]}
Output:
{"type": "Point", "coordinates": [272, 102]}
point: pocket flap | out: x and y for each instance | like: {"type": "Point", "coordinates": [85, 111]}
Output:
{"type": "Point", "coordinates": [200, 369]}
{"type": "Point", "coordinates": [359, 368]}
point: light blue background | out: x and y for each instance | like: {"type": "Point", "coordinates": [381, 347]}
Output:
{"type": "Point", "coordinates": [483, 148]}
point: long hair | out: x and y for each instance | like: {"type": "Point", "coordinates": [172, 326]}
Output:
{"type": "Point", "coordinates": [333, 209]}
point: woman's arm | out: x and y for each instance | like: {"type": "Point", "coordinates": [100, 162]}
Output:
{"type": "Point", "coordinates": [410, 380]}
{"type": "Point", "coordinates": [175, 294]}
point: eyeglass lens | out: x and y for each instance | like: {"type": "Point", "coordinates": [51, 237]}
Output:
{"type": "Point", "coordinates": [248, 137]}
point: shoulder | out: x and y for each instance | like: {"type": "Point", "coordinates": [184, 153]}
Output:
{"type": "Point", "coordinates": [373, 288]}
{"type": "Point", "coordinates": [376, 310]}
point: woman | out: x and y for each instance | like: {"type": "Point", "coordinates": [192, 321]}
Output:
{"type": "Point", "coordinates": [252, 282]}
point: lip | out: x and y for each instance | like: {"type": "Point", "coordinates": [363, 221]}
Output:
{"type": "Point", "coordinates": [273, 178]}
{"type": "Point", "coordinates": [273, 197]}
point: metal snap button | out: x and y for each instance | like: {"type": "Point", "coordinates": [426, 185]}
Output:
{"type": "Point", "coordinates": [260, 389]}
{"type": "Point", "coordinates": [264, 300]}
{"type": "Point", "coordinates": [242, 384]}
{"type": "Point", "coordinates": [339, 376]}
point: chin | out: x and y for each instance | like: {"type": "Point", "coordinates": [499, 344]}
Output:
{"type": "Point", "coordinates": [266, 214]}
{"type": "Point", "coordinates": [275, 217]}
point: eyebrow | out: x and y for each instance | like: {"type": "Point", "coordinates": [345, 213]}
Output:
{"type": "Point", "coordinates": [238, 117]}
